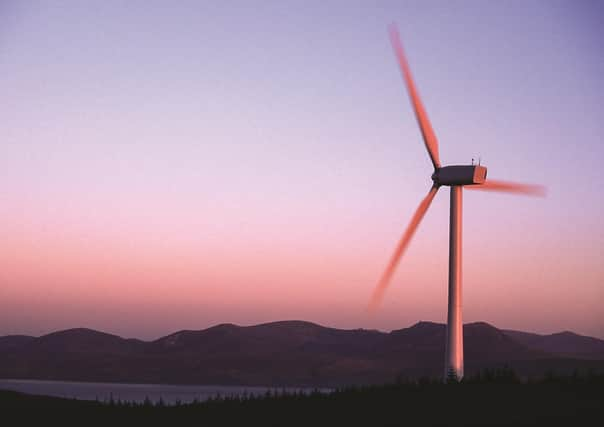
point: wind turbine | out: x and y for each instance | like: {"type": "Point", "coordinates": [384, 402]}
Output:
{"type": "Point", "coordinates": [456, 177]}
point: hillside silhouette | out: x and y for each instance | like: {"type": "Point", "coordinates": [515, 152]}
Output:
{"type": "Point", "coordinates": [293, 353]}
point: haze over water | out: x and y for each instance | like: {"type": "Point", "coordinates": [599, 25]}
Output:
{"type": "Point", "coordinates": [169, 167]}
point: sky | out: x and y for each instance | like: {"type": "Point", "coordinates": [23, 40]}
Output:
{"type": "Point", "coordinates": [175, 165]}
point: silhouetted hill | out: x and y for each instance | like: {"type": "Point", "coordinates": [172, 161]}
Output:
{"type": "Point", "coordinates": [84, 341]}
{"type": "Point", "coordinates": [565, 343]}
{"type": "Point", "coordinates": [285, 353]}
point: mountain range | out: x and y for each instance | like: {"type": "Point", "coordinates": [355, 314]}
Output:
{"type": "Point", "coordinates": [288, 353]}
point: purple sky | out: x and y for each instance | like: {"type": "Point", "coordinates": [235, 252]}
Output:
{"type": "Point", "coordinates": [170, 166]}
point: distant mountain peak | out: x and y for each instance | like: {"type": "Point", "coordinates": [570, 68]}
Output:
{"type": "Point", "coordinates": [79, 332]}
{"type": "Point", "coordinates": [290, 324]}
{"type": "Point", "coordinates": [426, 324]}
{"type": "Point", "coordinates": [289, 352]}
{"type": "Point", "coordinates": [223, 326]}
{"type": "Point", "coordinates": [565, 334]}
{"type": "Point", "coordinates": [481, 325]}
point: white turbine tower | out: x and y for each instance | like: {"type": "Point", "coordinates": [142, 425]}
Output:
{"type": "Point", "coordinates": [456, 177]}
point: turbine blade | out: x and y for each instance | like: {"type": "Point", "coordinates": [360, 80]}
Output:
{"type": "Point", "coordinates": [420, 113]}
{"type": "Point", "coordinates": [382, 285]}
{"type": "Point", "coordinates": [509, 187]}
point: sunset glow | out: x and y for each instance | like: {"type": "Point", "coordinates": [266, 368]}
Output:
{"type": "Point", "coordinates": [175, 167]}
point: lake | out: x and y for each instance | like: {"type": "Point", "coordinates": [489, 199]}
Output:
{"type": "Point", "coordinates": [170, 394]}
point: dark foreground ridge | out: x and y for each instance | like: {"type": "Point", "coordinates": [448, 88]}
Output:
{"type": "Point", "coordinates": [497, 398]}
{"type": "Point", "coordinates": [288, 353]}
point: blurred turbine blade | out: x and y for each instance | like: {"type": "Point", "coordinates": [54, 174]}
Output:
{"type": "Point", "coordinates": [509, 187]}
{"type": "Point", "coordinates": [378, 293]}
{"type": "Point", "coordinates": [420, 113]}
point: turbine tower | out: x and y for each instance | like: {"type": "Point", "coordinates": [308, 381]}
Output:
{"type": "Point", "coordinates": [456, 177]}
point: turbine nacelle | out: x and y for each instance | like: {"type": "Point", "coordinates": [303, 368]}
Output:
{"type": "Point", "coordinates": [460, 175]}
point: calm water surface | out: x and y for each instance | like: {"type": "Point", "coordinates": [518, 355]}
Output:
{"type": "Point", "coordinates": [170, 394]}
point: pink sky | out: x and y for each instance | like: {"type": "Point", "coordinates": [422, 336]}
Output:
{"type": "Point", "coordinates": [174, 168]}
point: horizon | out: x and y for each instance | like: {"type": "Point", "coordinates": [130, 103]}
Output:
{"type": "Point", "coordinates": [321, 325]}
{"type": "Point", "coordinates": [167, 166]}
